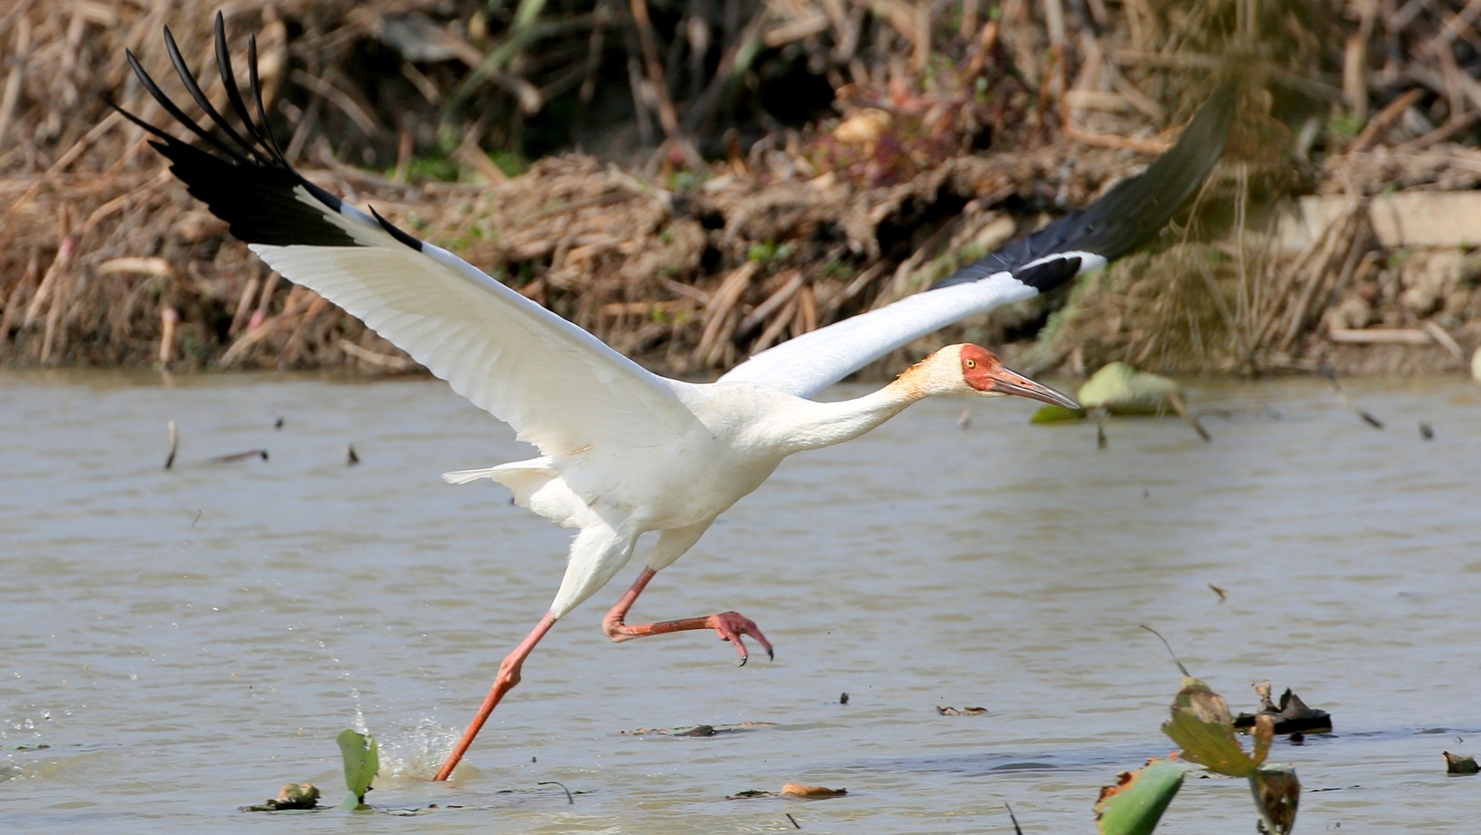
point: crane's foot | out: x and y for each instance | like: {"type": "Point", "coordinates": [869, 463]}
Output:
{"type": "Point", "coordinates": [731, 626]}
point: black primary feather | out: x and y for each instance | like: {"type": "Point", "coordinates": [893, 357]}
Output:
{"type": "Point", "coordinates": [244, 178]}
{"type": "Point", "coordinates": [1128, 216]}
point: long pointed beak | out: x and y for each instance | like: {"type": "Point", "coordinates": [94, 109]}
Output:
{"type": "Point", "coordinates": [1011, 382]}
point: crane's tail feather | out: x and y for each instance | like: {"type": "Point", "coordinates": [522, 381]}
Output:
{"type": "Point", "coordinates": [470, 476]}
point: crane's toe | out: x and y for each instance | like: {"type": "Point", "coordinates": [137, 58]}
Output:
{"type": "Point", "coordinates": [731, 626]}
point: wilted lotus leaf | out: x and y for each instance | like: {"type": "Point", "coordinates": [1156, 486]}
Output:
{"type": "Point", "coordinates": [1202, 726]}
{"type": "Point", "coordinates": [811, 792]}
{"type": "Point", "coordinates": [1277, 793]}
{"type": "Point", "coordinates": [1135, 804]}
{"type": "Point", "coordinates": [1122, 390]}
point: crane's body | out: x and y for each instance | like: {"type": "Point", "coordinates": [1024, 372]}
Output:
{"type": "Point", "coordinates": [624, 452]}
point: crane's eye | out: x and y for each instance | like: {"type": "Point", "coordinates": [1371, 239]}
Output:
{"type": "Point", "coordinates": [971, 363]}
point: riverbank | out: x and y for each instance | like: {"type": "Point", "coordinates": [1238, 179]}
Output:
{"type": "Point", "coordinates": [689, 261]}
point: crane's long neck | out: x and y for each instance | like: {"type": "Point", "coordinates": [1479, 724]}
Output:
{"type": "Point", "coordinates": [812, 425]}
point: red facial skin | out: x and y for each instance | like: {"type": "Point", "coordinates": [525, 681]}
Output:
{"type": "Point", "coordinates": [983, 372]}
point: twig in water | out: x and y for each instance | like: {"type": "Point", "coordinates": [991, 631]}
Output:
{"type": "Point", "coordinates": [570, 801]}
{"type": "Point", "coordinates": [1368, 418]}
{"type": "Point", "coordinates": [352, 459]}
{"type": "Point", "coordinates": [1181, 668]}
{"type": "Point", "coordinates": [241, 456]}
{"type": "Point", "coordinates": [793, 820]}
{"type": "Point", "coordinates": [174, 445]}
{"type": "Point", "coordinates": [1018, 830]}
{"type": "Point", "coordinates": [1181, 407]}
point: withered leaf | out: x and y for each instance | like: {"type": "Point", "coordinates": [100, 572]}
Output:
{"type": "Point", "coordinates": [966, 711]}
{"type": "Point", "coordinates": [1202, 726]}
{"type": "Point", "coordinates": [811, 792]}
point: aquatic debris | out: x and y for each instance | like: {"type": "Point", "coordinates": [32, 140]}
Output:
{"type": "Point", "coordinates": [291, 796]}
{"type": "Point", "coordinates": [352, 459]}
{"type": "Point", "coordinates": [699, 730]}
{"type": "Point", "coordinates": [1218, 591]}
{"type": "Point", "coordinates": [1291, 715]}
{"type": "Point", "coordinates": [1135, 804]}
{"type": "Point", "coordinates": [811, 792]}
{"type": "Point", "coordinates": [1460, 764]}
{"type": "Point", "coordinates": [843, 698]}
{"type": "Point", "coordinates": [362, 761]}
{"type": "Point", "coordinates": [966, 711]}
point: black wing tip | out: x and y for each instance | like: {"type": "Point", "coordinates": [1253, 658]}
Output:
{"type": "Point", "coordinates": [396, 232]}
{"type": "Point", "coordinates": [244, 178]}
{"type": "Point", "coordinates": [1126, 217]}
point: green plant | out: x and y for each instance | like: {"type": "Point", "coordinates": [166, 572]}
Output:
{"type": "Point", "coordinates": [362, 761]}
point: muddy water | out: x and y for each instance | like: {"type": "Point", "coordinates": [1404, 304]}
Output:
{"type": "Point", "coordinates": [183, 642]}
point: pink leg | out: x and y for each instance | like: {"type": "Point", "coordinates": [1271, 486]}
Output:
{"type": "Point", "coordinates": [508, 677]}
{"type": "Point", "coordinates": [730, 625]}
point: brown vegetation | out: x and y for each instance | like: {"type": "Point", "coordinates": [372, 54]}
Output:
{"type": "Point", "coordinates": [756, 170]}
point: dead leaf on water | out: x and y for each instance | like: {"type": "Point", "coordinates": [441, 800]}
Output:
{"type": "Point", "coordinates": [1460, 764]}
{"type": "Point", "coordinates": [811, 792]}
{"type": "Point", "coordinates": [966, 711]}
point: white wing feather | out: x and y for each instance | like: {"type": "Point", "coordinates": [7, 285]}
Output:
{"type": "Point", "coordinates": [810, 363]}
{"type": "Point", "coordinates": [561, 388]}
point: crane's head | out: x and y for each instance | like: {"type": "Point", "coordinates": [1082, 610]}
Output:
{"type": "Point", "coordinates": [984, 374]}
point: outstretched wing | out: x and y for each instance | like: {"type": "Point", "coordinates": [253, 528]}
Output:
{"type": "Point", "coordinates": [1124, 219]}
{"type": "Point", "coordinates": [559, 387]}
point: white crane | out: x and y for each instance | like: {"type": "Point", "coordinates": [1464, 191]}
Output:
{"type": "Point", "coordinates": [623, 451]}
